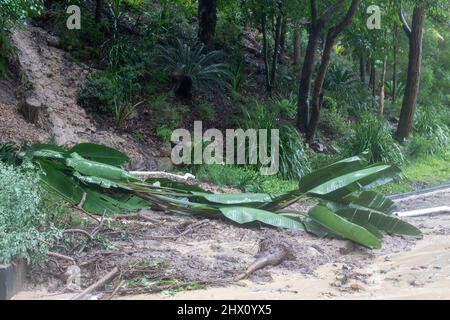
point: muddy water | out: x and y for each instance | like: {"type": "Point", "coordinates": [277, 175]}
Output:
{"type": "Point", "coordinates": [423, 273]}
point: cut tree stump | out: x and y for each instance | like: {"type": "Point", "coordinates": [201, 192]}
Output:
{"type": "Point", "coordinates": [32, 110]}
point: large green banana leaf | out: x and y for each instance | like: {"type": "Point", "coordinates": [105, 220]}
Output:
{"type": "Point", "coordinates": [100, 153]}
{"type": "Point", "coordinates": [344, 228]}
{"type": "Point", "coordinates": [380, 221]}
{"type": "Point", "coordinates": [244, 215]}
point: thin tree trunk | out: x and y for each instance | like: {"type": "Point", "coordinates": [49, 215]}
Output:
{"type": "Point", "coordinates": [98, 11]}
{"type": "Point", "coordinates": [362, 69]}
{"type": "Point", "coordinates": [305, 80]}
{"type": "Point", "coordinates": [394, 69]}
{"type": "Point", "coordinates": [265, 51]}
{"type": "Point", "coordinates": [330, 41]}
{"type": "Point", "coordinates": [283, 37]}
{"type": "Point", "coordinates": [297, 46]}
{"type": "Point", "coordinates": [276, 50]}
{"type": "Point", "coordinates": [373, 79]}
{"type": "Point", "coordinates": [413, 79]}
{"type": "Point", "coordinates": [383, 79]}
{"type": "Point", "coordinates": [207, 17]}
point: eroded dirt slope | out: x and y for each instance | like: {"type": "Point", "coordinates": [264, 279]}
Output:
{"type": "Point", "coordinates": [54, 80]}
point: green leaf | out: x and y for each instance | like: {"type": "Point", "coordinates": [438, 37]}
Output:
{"type": "Point", "coordinates": [344, 228]}
{"type": "Point", "coordinates": [244, 215]}
{"type": "Point", "coordinates": [374, 201]}
{"type": "Point", "coordinates": [100, 153]}
{"type": "Point", "coordinates": [320, 177]}
{"type": "Point", "coordinates": [380, 221]}
{"type": "Point", "coordinates": [58, 183]}
{"type": "Point", "coordinates": [97, 169]}
{"type": "Point", "coordinates": [238, 198]}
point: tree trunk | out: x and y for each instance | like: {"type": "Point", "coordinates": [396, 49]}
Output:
{"type": "Point", "coordinates": [265, 51]}
{"type": "Point", "coordinates": [276, 51]}
{"type": "Point", "coordinates": [373, 79]}
{"type": "Point", "coordinates": [297, 46]}
{"type": "Point", "coordinates": [331, 37]}
{"type": "Point", "coordinates": [305, 79]}
{"type": "Point", "coordinates": [362, 69]}
{"type": "Point", "coordinates": [413, 78]}
{"type": "Point", "coordinates": [98, 11]}
{"type": "Point", "coordinates": [315, 30]}
{"type": "Point", "coordinates": [394, 69]}
{"type": "Point", "coordinates": [383, 79]}
{"type": "Point", "coordinates": [207, 17]}
{"type": "Point", "coordinates": [283, 38]}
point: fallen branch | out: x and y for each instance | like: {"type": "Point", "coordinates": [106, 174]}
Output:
{"type": "Point", "coordinates": [136, 216]}
{"type": "Point", "coordinates": [271, 259]}
{"type": "Point", "coordinates": [61, 256]}
{"type": "Point", "coordinates": [120, 285]}
{"type": "Point", "coordinates": [159, 174]}
{"type": "Point", "coordinates": [100, 283]}
{"type": "Point", "coordinates": [87, 234]}
{"type": "Point", "coordinates": [189, 229]}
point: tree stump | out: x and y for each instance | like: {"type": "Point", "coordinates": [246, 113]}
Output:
{"type": "Point", "coordinates": [32, 110]}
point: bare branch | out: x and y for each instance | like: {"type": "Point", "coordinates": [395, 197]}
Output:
{"type": "Point", "coordinates": [405, 24]}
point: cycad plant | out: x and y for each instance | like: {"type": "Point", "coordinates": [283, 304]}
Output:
{"type": "Point", "coordinates": [201, 68]}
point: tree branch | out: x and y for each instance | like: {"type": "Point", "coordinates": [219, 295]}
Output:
{"type": "Point", "coordinates": [313, 11]}
{"type": "Point", "coordinates": [346, 20]}
{"type": "Point", "coordinates": [330, 10]}
{"type": "Point", "coordinates": [405, 24]}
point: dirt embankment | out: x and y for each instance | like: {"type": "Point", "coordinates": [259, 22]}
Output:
{"type": "Point", "coordinates": [49, 75]}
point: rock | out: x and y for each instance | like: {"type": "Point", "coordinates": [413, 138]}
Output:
{"type": "Point", "coordinates": [357, 287]}
{"type": "Point", "coordinates": [164, 164]}
{"type": "Point", "coordinates": [53, 41]}
{"type": "Point", "coordinates": [318, 147]}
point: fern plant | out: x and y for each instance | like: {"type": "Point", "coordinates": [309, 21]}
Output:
{"type": "Point", "coordinates": [202, 68]}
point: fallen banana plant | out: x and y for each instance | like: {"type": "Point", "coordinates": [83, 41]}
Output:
{"type": "Point", "coordinates": [345, 209]}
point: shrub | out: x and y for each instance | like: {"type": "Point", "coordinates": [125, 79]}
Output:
{"type": "Point", "coordinates": [293, 162]}
{"type": "Point", "coordinates": [21, 219]}
{"type": "Point", "coordinates": [165, 134]}
{"type": "Point", "coordinates": [206, 111]}
{"type": "Point", "coordinates": [431, 134]}
{"type": "Point", "coordinates": [164, 113]}
{"type": "Point", "coordinates": [335, 121]}
{"type": "Point", "coordinates": [372, 134]}
{"type": "Point", "coordinates": [237, 177]}
{"type": "Point", "coordinates": [98, 93]}
{"type": "Point", "coordinates": [5, 53]}
{"type": "Point", "coordinates": [206, 74]}
{"type": "Point", "coordinates": [243, 178]}
{"type": "Point", "coordinates": [287, 106]}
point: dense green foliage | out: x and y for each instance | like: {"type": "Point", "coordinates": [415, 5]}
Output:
{"type": "Point", "coordinates": [23, 229]}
